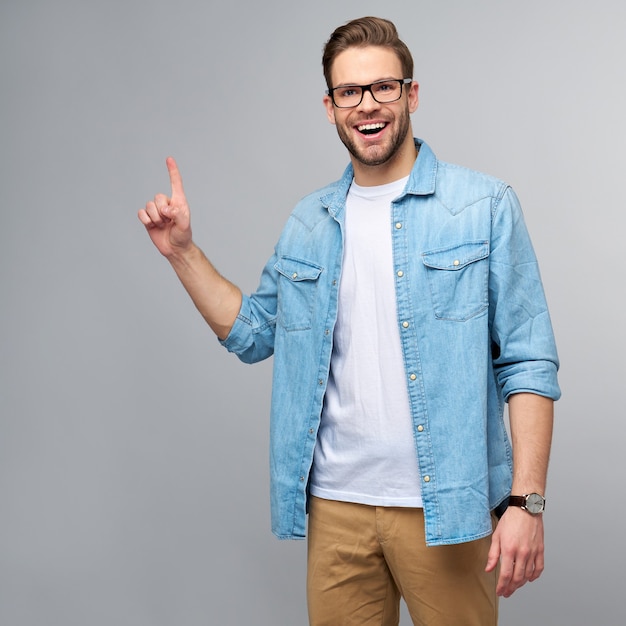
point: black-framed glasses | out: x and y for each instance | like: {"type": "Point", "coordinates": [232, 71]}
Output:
{"type": "Point", "coordinates": [383, 91]}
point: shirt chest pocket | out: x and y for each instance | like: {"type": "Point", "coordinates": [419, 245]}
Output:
{"type": "Point", "coordinates": [458, 280]}
{"type": "Point", "coordinates": [297, 286]}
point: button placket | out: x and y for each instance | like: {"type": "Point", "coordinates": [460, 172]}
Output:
{"type": "Point", "coordinates": [400, 234]}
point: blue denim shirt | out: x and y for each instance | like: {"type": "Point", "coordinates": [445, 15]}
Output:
{"type": "Point", "coordinates": [474, 329]}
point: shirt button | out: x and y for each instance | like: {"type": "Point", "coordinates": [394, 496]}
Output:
{"type": "Point", "coordinates": [301, 479]}
{"type": "Point", "coordinates": [320, 382]}
{"type": "Point", "coordinates": [412, 376]}
{"type": "Point", "coordinates": [456, 262]}
{"type": "Point", "coordinates": [398, 225]}
{"type": "Point", "coordinates": [311, 431]}
{"type": "Point", "coordinates": [426, 479]}
{"type": "Point", "coordinates": [400, 273]}
{"type": "Point", "coordinates": [420, 428]}
{"type": "Point", "coordinates": [327, 332]}
{"type": "Point", "coordinates": [294, 275]}
{"type": "Point", "coordinates": [405, 324]}
{"type": "Point", "coordinates": [334, 282]}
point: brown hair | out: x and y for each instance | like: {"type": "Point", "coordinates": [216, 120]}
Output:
{"type": "Point", "coordinates": [365, 31]}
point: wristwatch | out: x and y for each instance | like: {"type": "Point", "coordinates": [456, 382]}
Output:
{"type": "Point", "coordinates": [531, 502]}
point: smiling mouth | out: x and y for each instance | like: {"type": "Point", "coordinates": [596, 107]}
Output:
{"type": "Point", "coordinates": [371, 129]}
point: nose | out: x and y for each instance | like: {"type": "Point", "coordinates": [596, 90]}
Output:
{"type": "Point", "coordinates": [367, 101]}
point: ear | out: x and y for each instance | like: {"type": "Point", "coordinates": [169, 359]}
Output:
{"type": "Point", "coordinates": [330, 109]}
{"type": "Point", "coordinates": [413, 98]}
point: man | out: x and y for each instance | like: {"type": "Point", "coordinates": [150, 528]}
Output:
{"type": "Point", "coordinates": [403, 306]}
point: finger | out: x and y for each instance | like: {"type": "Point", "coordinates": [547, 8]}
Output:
{"type": "Point", "coordinates": [144, 218]}
{"type": "Point", "coordinates": [161, 201]}
{"type": "Point", "coordinates": [176, 180]}
{"type": "Point", "coordinates": [520, 573]}
{"type": "Point", "coordinates": [538, 567]}
{"type": "Point", "coordinates": [155, 215]}
{"type": "Point", "coordinates": [507, 568]}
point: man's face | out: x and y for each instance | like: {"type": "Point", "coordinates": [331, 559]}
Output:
{"type": "Point", "coordinates": [388, 124]}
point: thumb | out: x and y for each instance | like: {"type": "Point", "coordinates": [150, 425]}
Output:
{"type": "Point", "coordinates": [494, 554]}
{"type": "Point", "coordinates": [177, 214]}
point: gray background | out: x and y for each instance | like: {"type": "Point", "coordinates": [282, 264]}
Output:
{"type": "Point", "coordinates": [133, 449]}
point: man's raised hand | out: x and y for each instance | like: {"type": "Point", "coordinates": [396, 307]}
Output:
{"type": "Point", "coordinates": [167, 218]}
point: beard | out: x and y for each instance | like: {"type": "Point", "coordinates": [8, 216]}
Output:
{"type": "Point", "coordinates": [377, 154]}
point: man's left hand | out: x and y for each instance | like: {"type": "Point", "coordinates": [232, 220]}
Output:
{"type": "Point", "coordinates": [517, 543]}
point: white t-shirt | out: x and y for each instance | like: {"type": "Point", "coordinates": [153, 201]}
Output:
{"type": "Point", "coordinates": [365, 450]}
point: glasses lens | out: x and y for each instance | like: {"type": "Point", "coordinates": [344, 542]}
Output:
{"type": "Point", "coordinates": [347, 96]}
{"type": "Point", "coordinates": [387, 91]}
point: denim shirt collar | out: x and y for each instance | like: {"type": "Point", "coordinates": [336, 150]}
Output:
{"type": "Point", "coordinates": [421, 180]}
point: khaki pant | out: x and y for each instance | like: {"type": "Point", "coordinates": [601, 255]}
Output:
{"type": "Point", "coordinates": [361, 559]}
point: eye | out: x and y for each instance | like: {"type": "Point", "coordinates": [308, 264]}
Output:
{"type": "Point", "coordinates": [348, 92]}
{"type": "Point", "coordinates": [384, 87]}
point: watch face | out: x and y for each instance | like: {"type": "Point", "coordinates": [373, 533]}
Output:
{"type": "Point", "coordinates": [534, 503]}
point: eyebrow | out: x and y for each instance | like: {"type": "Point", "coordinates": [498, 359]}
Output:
{"type": "Point", "coordinates": [378, 80]}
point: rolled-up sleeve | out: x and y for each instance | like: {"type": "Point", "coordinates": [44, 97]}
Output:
{"type": "Point", "coordinates": [524, 349]}
{"type": "Point", "coordinates": [252, 336]}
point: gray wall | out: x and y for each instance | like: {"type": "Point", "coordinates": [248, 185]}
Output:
{"type": "Point", "coordinates": [133, 449]}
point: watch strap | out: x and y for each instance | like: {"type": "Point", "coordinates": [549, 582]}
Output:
{"type": "Point", "coordinates": [517, 501]}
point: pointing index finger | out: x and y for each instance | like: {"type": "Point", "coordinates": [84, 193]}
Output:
{"type": "Point", "coordinates": [175, 179]}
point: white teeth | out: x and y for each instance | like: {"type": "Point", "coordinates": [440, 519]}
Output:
{"type": "Point", "coordinates": [371, 126]}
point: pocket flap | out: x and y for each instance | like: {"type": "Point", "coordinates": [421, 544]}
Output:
{"type": "Point", "coordinates": [297, 269]}
{"type": "Point", "coordinates": [456, 257]}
